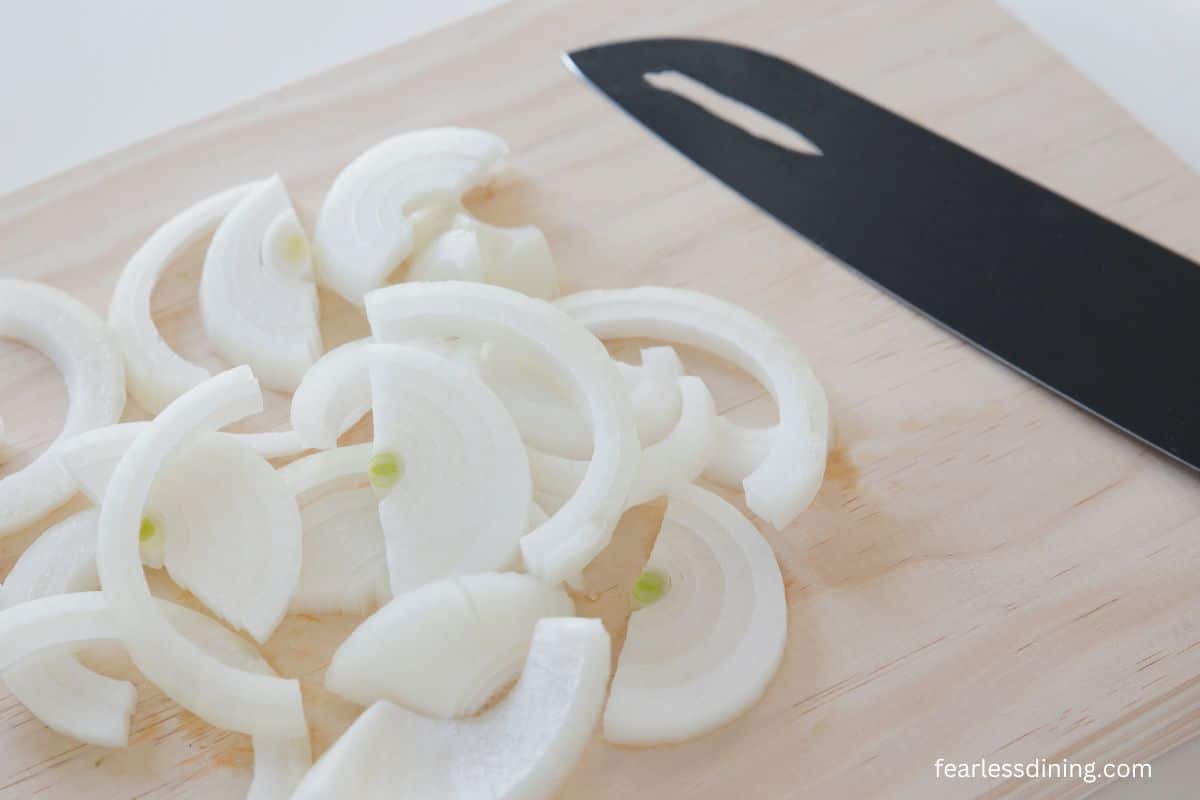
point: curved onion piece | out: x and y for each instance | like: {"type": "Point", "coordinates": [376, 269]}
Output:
{"type": "Point", "coordinates": [460, 499]}
{"type": "Point", "coordinates": [272, 444]}
{"type": "Point", "coordinates": [706, 651]}
{"type": "Point", "coordinates": [224, 521]}
{"type": "Point", "coordinates": [76, 340]}
{"type": "Point", "coordinates": [369, 220]}
{"type": "Point", "coordinates": [335, 394]}
{"type": "Point", "coordinates": [522, 749]}
{"type": "Point", "coordinates": [672, 462]}
{"type": "Point", "coordinates": [550, 422]}
{"type": "Point", "coordinates": [738, 452]}
{"type": "Point", "coordinates": [340, 468]}
{"type": "Point", "coordinates": [65, 695]}
{"type": "Point", "coordinates": [571, 538]}
{"type": "Point", "coordinates": [345, 567]}
{"type": "Point", "coordinates": [471, 250]}
{"type": "Point", "coordinates": [279, 763]}
{"type": "Point", "coordinates": [786, 482]}
{"type": "Point", "coordinates": [257, 296]}
{"type": "Point", "coordinates": [446, 648]}
{"type": "Point", "coordinates": [222, 696]}
{"type": "Point", "coordinates": [156, 373]}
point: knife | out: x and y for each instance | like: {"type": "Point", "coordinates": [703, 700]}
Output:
{"type": "Point", "coordinates": [1089, 309]}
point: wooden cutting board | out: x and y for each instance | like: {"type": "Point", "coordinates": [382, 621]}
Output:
{"type": "Point", "coordinates": [987, 572]}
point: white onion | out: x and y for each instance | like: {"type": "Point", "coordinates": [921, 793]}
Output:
{"type": "Point", "coordinates": [335, 394]}
{"type": "Point", "coordinates": [459, 500]}
{"type": "Point", "coordinates": [224, 697]}
{"type": "Point", "coordinates": [66, 696]}
{"type": "Point", "coordinates": [550, 420]}
{"type": "Point", "coordinates": [515, 258]}
{"type": "Point", "coordinates": [393, 198]}
{"type": "Point", "coordinates": [345, 568]}
{"type": "Point", "coordinates": [738, 452]}
{"type": "Point", "coordinates": [156, 373]}
{"type": "Point", "coordinates": [706, 651]}
{"type": "Point", "coordinates": [572, 537]}
{"type": "Point", "coordinates": [339, 468]}
{"type": "Point", "coordinates": [257, 296]}
{"type": "Point", "coordinates": [522, 749]}
{"type": "Point", "coordinates": [786, 482]}
{"type": "Point", "coordinates": [448, 647]}
{"type": "Point", "coordinates": [76, 340]}
{"type": "Point", "coordinates": [672, 462]}
{"type": "Point", "coordinates": [225, 523]}
{"type": "Point", "coordinates": [272, 444]}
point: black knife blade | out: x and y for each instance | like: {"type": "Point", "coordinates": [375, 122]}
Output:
{"type": "Point", "coordinates": [1091, 310]}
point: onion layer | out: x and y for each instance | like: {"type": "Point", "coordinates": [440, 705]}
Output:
{"type": "Point", "coordinates": [523, 749]}
{"type": "Point", "coordinates": [386, 203]}
{"type": "Point", "coordinates": [223, 696]}
{"type": "Point", "coordinates": [582, 527]}
{"type": "Point", "coordinates": [76, 340]}
{"type": "Point", "coordinates": [670, 463]}
{"type": "Point", "coordinates": [786, 481]}
{"type": "Point", "coordinates": [706, 651]}
{"type": "Point", "coordinates": [456, 489]}
{"type": "Point", "coordinates": [66, 696]}
{"type": "Point", "coordinates": [345, 567]}
{"type": "Point", "coordinates": [471, 250]}
{"type": "Point", "coordinates": [335, 394]}
{"type": "Point", "coordinates": [448, 647]}
{"type": "Point", "coordinates": [156, 373]}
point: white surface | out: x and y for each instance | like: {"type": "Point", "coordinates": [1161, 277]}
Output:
{"type": "Point", "coordinates": [83, 79]}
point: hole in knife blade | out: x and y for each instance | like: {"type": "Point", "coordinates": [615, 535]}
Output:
{"type": "Point", "coordinates": [733, 111]}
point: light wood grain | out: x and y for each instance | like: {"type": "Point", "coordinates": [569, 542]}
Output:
{"type": "Point", "coordinates": [986, 573]}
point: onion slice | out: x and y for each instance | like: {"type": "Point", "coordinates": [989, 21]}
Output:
{"type": "Point", "coordinates": [257, 296]}
{"type": "Point", "coordinates": [706, 651]}
{"type": "Point", "coordinates": [787, 480]}
{"type": "Point", "coordinates": [224, 521]}
{"type": "Point", "coordinates": [385, 203]}
{"type": "Point", "coordinates": [551, 422]}
{"type": "Point", "coordinates": [564, 544]}
{"type": "Point", "coordinates": [471, 250]}
{"type": "Point", "coordinates": [522, 749]}
{"type": "Point", "coordinates": [670, 463]}
{"type": "Point", "coordinates": [224, 697]}
{"type": "Point", "coordinates": [457, 498]}
{"type": "Point", "coordinates": [345, 569]}
{"type": "Point", "coordinates": [76, 340]}
{"type": "Point", "coordinates": [448, 647]}
{"type": "Point", "coordinates": [66, 696]}
{"type": "Point", "coordinates": [157, 374]}
{"type": "Point", "coordinates": [341, 468]}
{"type": "Point", "coordinates": [335, 394]}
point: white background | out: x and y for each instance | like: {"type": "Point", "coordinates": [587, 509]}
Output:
{"type": "Point", "coordinates": [80, 79]}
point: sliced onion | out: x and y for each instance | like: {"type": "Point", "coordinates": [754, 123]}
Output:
{"type": "Point", "coordinates": [670, 463]}
{"type": "Point", "coordinates": [572, 537]}
{"type": "Point", "coordinates": [280, 763]}
{"type": "Point", "coordinates": [49, 623]}
{"type": "Point", "coordinates": [345, 568]}
{"type": "Point", "coordinates": [223, 696]}
{"type": "Point", "coordinates": [738, 452]}
{"type": "Point", "coordinates": [66, 696]}
{"type": "Point", "coordinates": [156, 373]}
{"type": "Point", "coordinates": [76, 340]}
{"type": "Point", "coordinates": [371, 219]}
{"type": "Point", "coordinates": [272, 444]}
{"type": "Point", "coordinates": [340, 468]}
{"type": "Point", "coordinates": [523, 749]}
{"type": "Point", "coordinates": [706, 651]}
{"type": "Point", "coordinates": [551, 422]}
{"type": "Point", "coordinates": [257, 296]}
{"type": "Point", "coordinates": [471, 250]}
{"type": "Point", "coordinates": [335, 394]}
{"type": "Point", "coordinates": [786, 482]}
{"type": "Point", "coordinates": [446, 648]}
{"type": "Point", "coordinates": [458, 502]}
{"type": "Point", "coordinates": [224, 521]}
